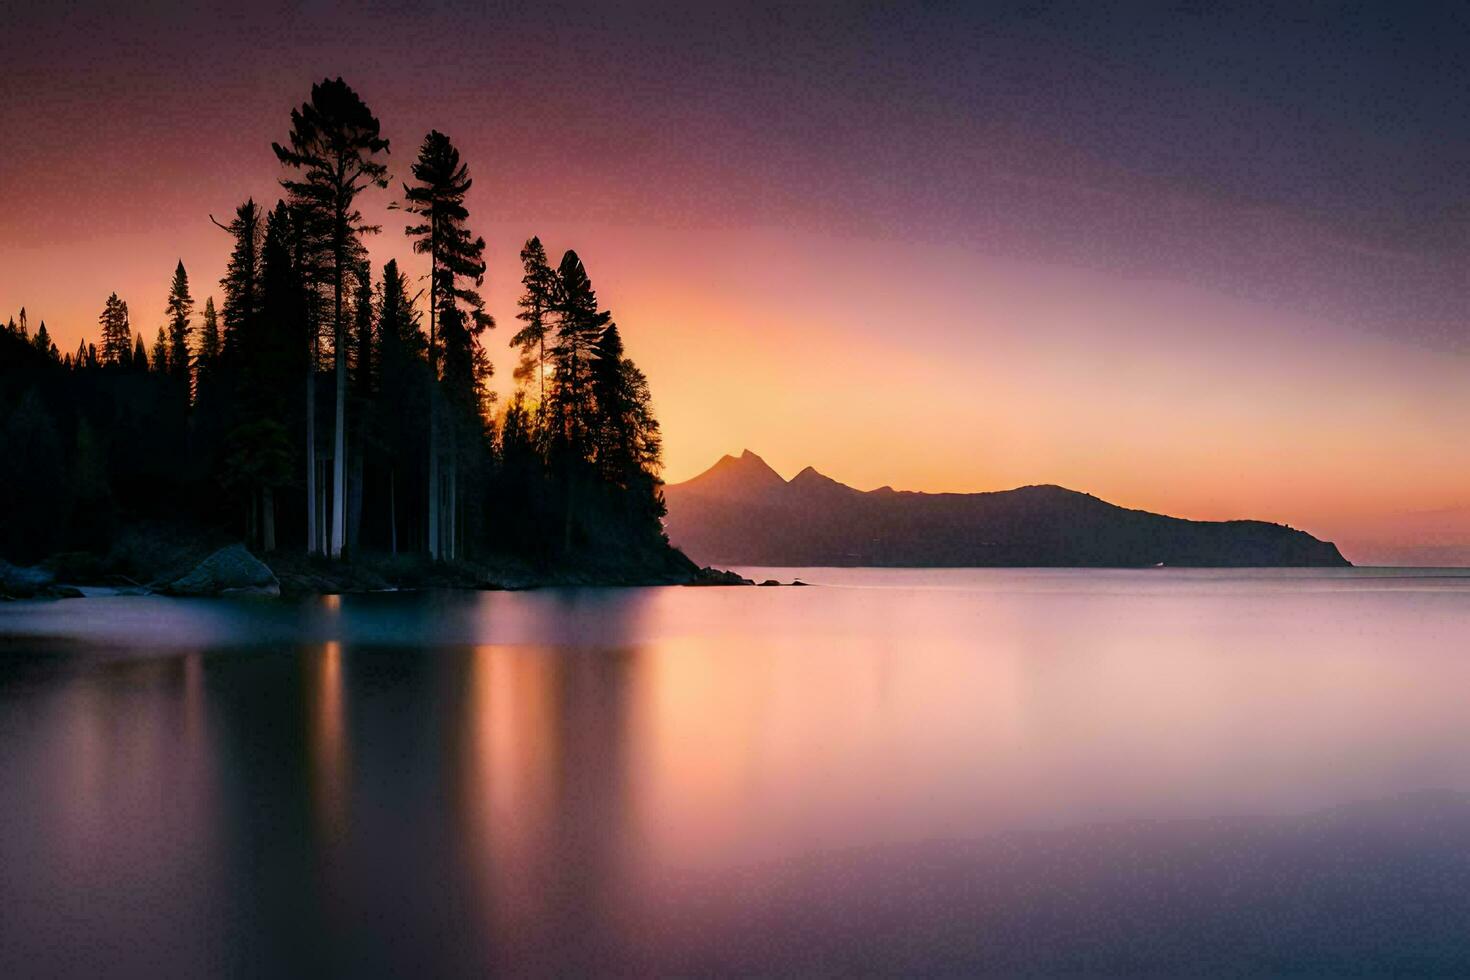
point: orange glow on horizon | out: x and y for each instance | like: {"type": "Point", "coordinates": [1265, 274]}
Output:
{"type": "Point", "coordinates": [993, 375]}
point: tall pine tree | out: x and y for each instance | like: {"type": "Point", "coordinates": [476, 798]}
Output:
{"type": "Point", "coordinates": [333, 146]}
{"type": "Point", "coordinates": [539, 283]}
{"type": "Point", "coordinates": [179, 309]}
{"type": "Point", "coordinates": [456, 271]}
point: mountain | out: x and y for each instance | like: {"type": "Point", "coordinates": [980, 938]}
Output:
{"type": "Point", "coordinates": [741, 512]}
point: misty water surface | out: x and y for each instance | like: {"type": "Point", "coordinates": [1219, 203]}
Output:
{"type": "Point", "coordinates": [954, 771]}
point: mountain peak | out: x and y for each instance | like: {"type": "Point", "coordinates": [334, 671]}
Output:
{"type": "Point", "coordinates": [810, 481]}
{"type": "Point", "coordinates": [737, 477]}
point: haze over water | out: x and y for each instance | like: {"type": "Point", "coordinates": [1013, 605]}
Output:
{"type": "Point", "coordinates": [1169, 771]}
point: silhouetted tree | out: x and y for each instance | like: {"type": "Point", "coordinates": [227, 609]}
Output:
{"type": "Point", "coordinates": [456, 271]}
{"type": "Point", "coordinates": [44, 345]}
{"type": "Point", "coordinates": [160, 353]}
{"type": "Point", "coordinates": [140, 354]}
{"type": "Point", "coordinates": [179, 309]}
{"type": "Point", "coordinates": [536, 302]}
{"type": "Point", "coordinates": [362, 398]}
{"type": "Point", "coordinates": [241, 283]}
{"type": "Point", "coordinates": [207, 361]}
{"type": "Point", "coordinates": [579, 325]}
{"type": "Point", "coordinates": [403, 380]}
{"type": "Point", "coordinates": [117, 334]}
{"type": "Point", "coordinates": [334, 140]}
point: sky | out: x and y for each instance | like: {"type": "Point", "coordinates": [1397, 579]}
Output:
{"type": "Point", "coordinates": [1209, 262]}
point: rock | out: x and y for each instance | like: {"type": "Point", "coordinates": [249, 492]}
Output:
{"type": "Point", "coordinates": [229, 571]}
{"type": "Point", "coordinates": [797, 581]}
{"type": "Point", "coordinates": [719, 576]}
{"type": "Point", "coordinates": [770, 581]}
{"type": "Point", "coordinates": [23, 583]}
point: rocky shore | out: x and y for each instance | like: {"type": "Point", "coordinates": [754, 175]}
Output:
{"type": "Point", "coordinates": [198, 568]}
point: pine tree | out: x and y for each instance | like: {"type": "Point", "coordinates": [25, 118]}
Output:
{"type": "Point", "coordinates": [403, 379]}
{"type": "Point", "coordinates": [241, 283]}
{"type": "Point", "coordinates": [456, 271]}
{"type": "Point", "coordinates": [44, 345]}
{"type": "Point", "coordinates": [117, 334]}
{"type": "Point", "coordinates": [579, 327]}
{"type": "Point", "coordinates": [362, 398]}
{"type": "Point", "coordinates": [536, 302]}
{"type": "Point", "coordinates": [179, 309]}
{"type": "Point", "coordinates": [333, 142]}
{"type": "Point", "coordinates": [611, 435]}
{"type": "Point", "coordinates": [160, 363]}
{"type": "Point", "coordinates": [140, 355]}
{"type": "Point", "coordinates": [209, 346]}
{"type": "Point", "coordinates": [272, 352]}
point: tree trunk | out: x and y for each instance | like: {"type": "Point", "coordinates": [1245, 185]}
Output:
{"type": "Point", "coordinates": [322, 515]}
{"type": "Point", "coordinates": [434, 469]}
{"type": "Point", "coordinates": [339, 456]}
{"type": "Point", "coordinates": [355, 493]}
{"type": "Point", "coordinates": [453, 504]}
{"type": "Point", "coordinates": [566, 542]}
{"type": "Point", "coordinates": [311, 539]}
{"type": "Point", "coordinates": [393, 509]}
{"type": "Point", "coordinates": [268, 518]}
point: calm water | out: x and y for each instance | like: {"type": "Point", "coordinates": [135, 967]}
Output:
{"type": "Point", "coordinates": [939, 771]}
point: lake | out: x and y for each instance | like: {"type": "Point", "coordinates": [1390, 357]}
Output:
{"type": "Point", "coordinates": [939, 771]}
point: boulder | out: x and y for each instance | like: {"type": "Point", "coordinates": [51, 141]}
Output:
{"type": "Point", "coordinates": [23, 583]}
{"type": "Point", "coordinates": [32, 583]}
{"type": "Point", "coordinates": [229, 571]}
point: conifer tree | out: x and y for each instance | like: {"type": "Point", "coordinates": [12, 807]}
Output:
{"type": "Point", "coordinates": [209, 345]}
{"type": "Point", "coordinates": [362, 398]}
{"type": "Point", "coordinates": [402, 379]}
{"type": "Point", "coordinates": [140, 354]}
{"type": "Point", "coordinates": [334, 143]}
{"type": "Point", "coordinates": [117, 334]}
{"type": "Point", "coordinates": [179, 309]}
{"type": "Point", "coordinates": [160, 363]}
{"type": "Point", "coordinates": [44, 345]}
{"type": "Point", "coordinates": [579, 327]}
{"type": "Point", "coordinates": [241, 283]}
{"type": "Point", "coordinates": [456, 271]}
{"type": "Point", "coordinates": [539, 282]}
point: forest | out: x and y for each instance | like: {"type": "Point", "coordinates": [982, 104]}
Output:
{"type": "Point", "coordinates": [333, 410]}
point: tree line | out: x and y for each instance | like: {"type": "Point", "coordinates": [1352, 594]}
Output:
{"type": "Point", "coordinates": [331, 407]}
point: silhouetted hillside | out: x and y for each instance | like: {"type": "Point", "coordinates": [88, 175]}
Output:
{"type": "Point", "coordinates": [741, 512]}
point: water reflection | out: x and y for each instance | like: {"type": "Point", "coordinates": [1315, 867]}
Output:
{"type": "Point", "coordinates": [328, 740]}
{"type": "Point", "coordinates": [1023, 773]}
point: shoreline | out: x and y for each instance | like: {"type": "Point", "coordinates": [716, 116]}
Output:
{"type": "Point", "coordinates": [233, 571]}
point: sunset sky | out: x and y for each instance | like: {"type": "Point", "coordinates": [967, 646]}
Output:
{"type": "Point", "coordinates": [1210, 263]}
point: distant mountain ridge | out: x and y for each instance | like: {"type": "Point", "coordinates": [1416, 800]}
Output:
{"type": "Point", "coordinates": [742, 512]}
